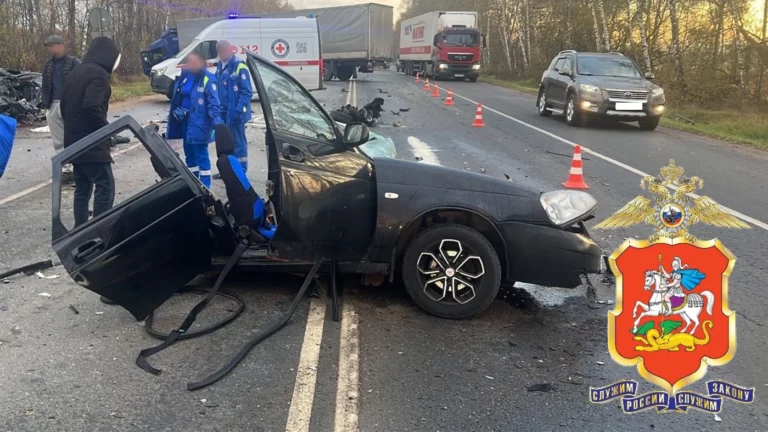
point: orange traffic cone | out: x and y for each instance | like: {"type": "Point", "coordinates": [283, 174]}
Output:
{"type": "Point", "coordinates": [479, 117]}
{"type": "Point", "coordinates": [449, 99]}
{"type": "Point", "coordinates": [426, 85]}
{"type": "Point", "coordinates": [576, 176]}
{"type": "Point", "coordinates": [435, 91]}
{"type": "Point", "coordinates": [417, 78]}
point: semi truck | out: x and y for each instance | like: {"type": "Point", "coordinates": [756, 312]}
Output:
{"type": "Point", "coordinates": [442, 45]}
{"type": "Point", "coordinates": [354, 38]}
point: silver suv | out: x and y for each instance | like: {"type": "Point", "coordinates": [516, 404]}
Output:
{"type": "Point", "coordinates": [602, 85]}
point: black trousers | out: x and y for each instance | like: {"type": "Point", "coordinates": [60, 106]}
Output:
{"type": "Point", "coordinates": [87, 176]}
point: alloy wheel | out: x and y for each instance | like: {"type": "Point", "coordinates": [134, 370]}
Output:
{"type": "Point", "coordinates": [570, 110]}
{"type": "Point", "coordinates": [543, 102]}
{"type": "Point", "coordinates": [449, 272]}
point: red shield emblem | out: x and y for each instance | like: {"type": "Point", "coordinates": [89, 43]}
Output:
{"type": "Point", "coordinates": [672, 318]}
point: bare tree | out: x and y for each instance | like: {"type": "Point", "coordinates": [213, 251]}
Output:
{"type": "Point", "coordinates": [598, 41]}
{"type": "Point", "coordinates": [606, 33]}
{"type": "Point", "coordinates": [739, 44]}
{"type": "Point", "coordinates": [676, 49]}
{"type": "Point", "coordinates": [643, 35]}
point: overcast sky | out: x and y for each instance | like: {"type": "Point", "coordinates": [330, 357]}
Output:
{"type": "Point", "coordinates": [305, 4]}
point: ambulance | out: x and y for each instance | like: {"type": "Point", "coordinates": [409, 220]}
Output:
{"type": "Point", "coordinates": [291, 43]}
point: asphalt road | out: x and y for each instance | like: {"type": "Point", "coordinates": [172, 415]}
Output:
{"type": "Point", "coordinates": [387, 366]}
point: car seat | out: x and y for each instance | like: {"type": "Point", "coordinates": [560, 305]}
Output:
{"type": "Point", "coordinates": [246, 206]}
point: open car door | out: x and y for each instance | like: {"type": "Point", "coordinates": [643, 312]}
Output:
{"type": "Point", "coordinates": [146, 248]}
{"type": "Point", "coordinates": [325, 191]}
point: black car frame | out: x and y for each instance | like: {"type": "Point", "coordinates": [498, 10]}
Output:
{"type": "Point", "coordinates": [454, 236]}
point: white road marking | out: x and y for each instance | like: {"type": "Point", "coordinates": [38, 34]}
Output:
{"type": "Point", "coordinates": [306, 376]}
{"type": "Point", "coordinates": [349, 92]}
{"type": "Point", "coordinates": [347, 389]}
{"type": "Point", "coordinates": [37, 187]}
{"type": "Point", "coordinates": [739, 215]}
{"type": "Point", "coordinates": [423, 150]}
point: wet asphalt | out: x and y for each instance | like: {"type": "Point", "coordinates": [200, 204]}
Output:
{"type": "Point", "coordinates": [69, 371]}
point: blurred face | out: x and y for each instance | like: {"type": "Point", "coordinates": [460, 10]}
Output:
{"type": "Point", "coordinates": [224, 52]}
{"type": "Point", "coordinates": [56, 50]}
{"type": "Point", "coordinates": [195, 63]}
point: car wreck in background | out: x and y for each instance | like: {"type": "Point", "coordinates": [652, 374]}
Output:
{"type": "Point", "coordinates": [21, 95]}
{"type": "Point", "coordinates": [453, 236]}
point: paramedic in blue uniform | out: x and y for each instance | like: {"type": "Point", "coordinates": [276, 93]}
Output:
{"type": "Point", "coordinates": [194, 113]}
{"type": "Point", "coordinates": [235, 94]}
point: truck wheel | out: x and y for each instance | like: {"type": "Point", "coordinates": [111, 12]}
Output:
{"type": "Point", "coordinates": [345, 73]}
{"type": "Point", "coordinates": [650, 123]}
{"type": "Point", "coordinates": [327, 71]}
{"type": "Point", "coordinates": [451, 271]}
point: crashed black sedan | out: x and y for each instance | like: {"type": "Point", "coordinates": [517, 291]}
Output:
{"type": "Point", "coordinates": [454, 237]}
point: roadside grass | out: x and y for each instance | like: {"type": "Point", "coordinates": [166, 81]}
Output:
{"type": "Point", "coordinates": [126, 88]}
{"type": "Point", "coordinates": [749, 128]}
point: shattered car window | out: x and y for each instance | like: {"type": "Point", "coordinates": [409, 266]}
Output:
{"type": "Point", "coordinates": [293, 110]}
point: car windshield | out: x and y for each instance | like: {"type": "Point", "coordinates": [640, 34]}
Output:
{"type": "Point", "coordinates": [463, 40]}
{"type": "Point", "coordinates": [293, 109]}
{"type": "Point", "coordinates": [608, 66]}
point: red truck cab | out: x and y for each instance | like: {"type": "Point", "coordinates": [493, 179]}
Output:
{"type": "Point", "coordinates": [456, 53]}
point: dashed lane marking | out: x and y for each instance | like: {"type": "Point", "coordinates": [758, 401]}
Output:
{"type": "Point", "coordinates": [37, 187]}
{"type": "Point", "coordinates": [423, 151]}
{"type": "Point", "coordinates": [306, 376]}
{"type": "Point", "coordinates": [347, 389]}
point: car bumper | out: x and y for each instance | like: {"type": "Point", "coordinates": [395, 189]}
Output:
{"type": "Point", "coordinates": [160, 84]}
{"type": "Point", "coordinates": [457, 72]}
{"type": "Point", "coordinates": [608, 109]}
{"type": "Point", "coordinates": [543, 255]}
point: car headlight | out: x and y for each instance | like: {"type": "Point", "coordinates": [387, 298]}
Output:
{"type": "Point", "coordinates": [476, 67]}
{"type": "Point", "coordinates": [442, 66]}
{"type": "Point", "coordinates": [658, 91]}
{"type": "Point", "coordinates": [565, 207]}
{"type": "Point", "coordinates": [589, 88]}
{"type": "Point", "coordinates": [159, 71]}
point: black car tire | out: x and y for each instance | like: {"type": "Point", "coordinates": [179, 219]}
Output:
{"type": "Point", "coordinates": [572, 113]}
{"type": "Point", "coordinates": [650, 123]}
{"type": "Point", "coordinates": [472, 80]}
{"type": "Point", "coordinates": [542, 104]}
{"type": "Point", "coordinates": [474, 246]}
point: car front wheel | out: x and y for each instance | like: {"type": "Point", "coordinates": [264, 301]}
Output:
{"type": "Point", "coordinates": [572, 115]}
{"type": "Point", "coordinates": [451, 271]}
{"type": "Point", "coordinates": [650, 123]}
{"type": "Point", "coordinates": [542, 105]}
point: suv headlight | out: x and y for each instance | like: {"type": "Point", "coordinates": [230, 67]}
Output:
{"type": "Point", "coordinates": [442, 66]}
{"type": "Point", "coordinates": [589, 88]}
{"type": "Point", "coordinates": [658, 91]}
{"type": "Point", "coordinates": [159, 71]}
{"type": "Point", "coordinates": [476, 67]}
{"type": "Point", "coordinates": [565, 207]}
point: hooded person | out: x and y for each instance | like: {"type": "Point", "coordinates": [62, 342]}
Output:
{"type": "Point", "coordinates": [84, 106]}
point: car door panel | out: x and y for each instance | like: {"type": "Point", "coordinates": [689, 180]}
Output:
{"type": "Point", "coordinates": [326, 196]}
{"type": "Point", "coordinates": [146, 248]}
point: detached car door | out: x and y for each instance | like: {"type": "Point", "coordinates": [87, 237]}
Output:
{"type": "Point", "coordinates": [325, 192]}
{"type": "Point", "coordinates": [152, 242]}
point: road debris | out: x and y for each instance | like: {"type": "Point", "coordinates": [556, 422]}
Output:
{"type": "Point", "coordinates": [74, 309]}
{"type": "Point", "coordinates": [543, 387]}
{"type": "Point", "coordinates": [44, 294]}
{"type": "Point", "coordinates": [42, 276]}
{"type": "Point", "coordinates": [29, 269]}
{"type": "Point", "coordinates": [44, 129]}
{"type": "Point", "coordinates": [489, 377]}
{"type": "Point", "coordinates": [21, 95]}
{"type": "Point", "coordinates": [600, 363]}
{"type": "Point", "coordinates": [717, 418]}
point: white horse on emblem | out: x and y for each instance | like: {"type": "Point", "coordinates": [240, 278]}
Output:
{"type": "Point", "coordinates": [689, 312]}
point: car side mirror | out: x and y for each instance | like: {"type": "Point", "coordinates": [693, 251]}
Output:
{"type": "Point", "coordinates": [436, 41]}
{"type": "Point", "coordinates": [565, 71]}
{"type": "Point", "coordinates": [356, 134]}
{"type": "Point", "coordinates": [650, 76]}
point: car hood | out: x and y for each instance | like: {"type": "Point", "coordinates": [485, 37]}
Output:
{"type": "Point", "coordinates": [439, 186]}
{"type": "Point", "coordinates": [617, 83]}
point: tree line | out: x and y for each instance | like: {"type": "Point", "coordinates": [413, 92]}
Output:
{"type": "Point", "coordinates": [24, 25]}
{"type": "Point", "coordinates": [711, 53]}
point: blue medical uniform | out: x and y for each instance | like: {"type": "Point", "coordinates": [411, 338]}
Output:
{"type": "Point", "coordinates": [196, 98]}
{"type": "Point", "coordinates": [235, 95]}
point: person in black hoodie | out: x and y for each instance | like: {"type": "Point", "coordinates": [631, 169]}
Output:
{"type": "Point", "coordinates": [84, 106]}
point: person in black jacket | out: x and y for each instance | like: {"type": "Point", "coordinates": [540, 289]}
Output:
{"type": "Point", "coordinates": [84, 106]}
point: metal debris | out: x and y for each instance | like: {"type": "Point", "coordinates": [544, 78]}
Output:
{"type": "Point", "coordinates": [544, 387]}
{"type": "Point", "coordinates": [21, 95]}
